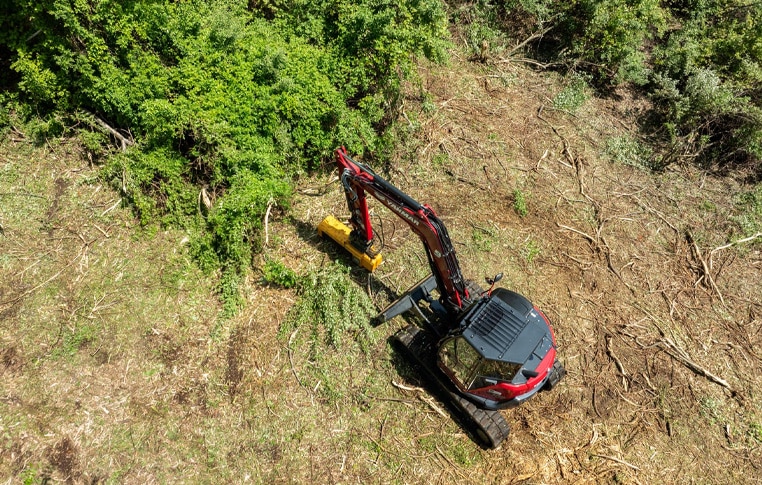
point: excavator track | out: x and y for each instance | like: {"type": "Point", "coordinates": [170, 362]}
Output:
{"type": "Point", "coordinates": [489, 428]}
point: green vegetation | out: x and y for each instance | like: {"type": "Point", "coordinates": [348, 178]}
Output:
{"type": "Point", "coordinates": [750, 206]}
{"type": "Point", "coordinates": [573, 96]}
{"type": "Point", "coordinates": [215, 103]}
{"type": "Point", "coordinates": [214, 106]}
{"type": "Point", "coordinates": [484, 238]}
{"type": "Point", "coordinates": [697, 61]}
{"type": "Point", "coordinates": [332, 307]}
{"type": "Point", "coordinates": [332, 316]}
{"type": "Point", "coordinates": [277, 273]}
{"type": "Point", "coordinates": [520, 203]}
{"type": "Point", "coordinates": [530, 250]}
{"type": "Point", "coordinates": [629, 151]}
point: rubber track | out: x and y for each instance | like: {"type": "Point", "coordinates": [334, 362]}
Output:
{"type": "Point", "coordinates": [488, 427]}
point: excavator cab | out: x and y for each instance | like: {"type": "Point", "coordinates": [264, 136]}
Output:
{"type": "Point", "coordinates": [502, 352]}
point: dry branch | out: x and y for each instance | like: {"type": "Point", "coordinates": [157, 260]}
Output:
{"type": "Point", "coordinates": [123, 140]}
{"type": "Point", "coordinates": [585, 235]}
{"type": "Point", "coordinates": [679, 354]}
{"type": "Point", "coordinates": [706, 274]}
{"type": "Point", "coordinates": [535, 36]}
{"type": "Point", "coordinates": [740, 241]}
{"type": "Point", "coordinates": [682, 356]}
{"type": "Point", "coordinates": [291, 358]}
{"type": "Point", "coordinates": [267, 223]}
{"type": "Point", "coordinates": [734, 243]}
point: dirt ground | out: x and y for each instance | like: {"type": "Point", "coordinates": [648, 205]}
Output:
{"type": "Point", "coordinates": [116, 369]}
{"type": "Point", "coordinates": [658, 319]}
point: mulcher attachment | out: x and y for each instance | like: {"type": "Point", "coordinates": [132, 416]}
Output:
{"type": "Point", "coordinates": [489, 428]}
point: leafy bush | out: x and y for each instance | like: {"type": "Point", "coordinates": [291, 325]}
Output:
{"type": "Point", "coordinates": [573, 95]}
{"type": "Point", "coordinates": [331, 306]}
{"type": "Point", "coordinates": [700, 62]}
{"type": "Point", "coordinates": [276, 273]}
{"type": "Point", "coordinates": [224, 99]}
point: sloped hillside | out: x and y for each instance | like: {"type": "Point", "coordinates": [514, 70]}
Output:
{"type": "Point", "coordinates": [116, 367]}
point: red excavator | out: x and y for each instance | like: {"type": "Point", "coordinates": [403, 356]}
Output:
{"type": "Point", "coordinates": [486, 350]}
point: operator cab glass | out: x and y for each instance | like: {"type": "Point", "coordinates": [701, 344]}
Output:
{"type": "Point", "coordinates": [469, 369]}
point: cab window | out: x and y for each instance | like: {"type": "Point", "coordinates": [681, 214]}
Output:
{"type": "Point", "coordinates": [490, 372]}
{"type": "Point", "coordinates": [460, 358]}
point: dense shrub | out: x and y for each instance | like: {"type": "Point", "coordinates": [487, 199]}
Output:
{"type": "Point", "coordinates": [224, 99]}
{"type": "Point", "coordinates": [700, 62]}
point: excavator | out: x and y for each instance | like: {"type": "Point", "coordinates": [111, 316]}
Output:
{"type": "Point", "coordinates": [483, 350]}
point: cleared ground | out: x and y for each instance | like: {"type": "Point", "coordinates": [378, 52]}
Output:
{"type": "Point", "coordinates": [116, 368]}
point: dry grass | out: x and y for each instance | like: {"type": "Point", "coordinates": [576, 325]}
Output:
{"type": "Point", "coordinates": [115, 367]}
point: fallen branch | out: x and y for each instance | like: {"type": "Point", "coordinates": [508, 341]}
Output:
{"type": "Point", "coordinates": [407, 388]}
{"type": "Point", "coordinates": [679, 354]}
{"type": "Point", "coordinates": [706, 273]}
{"type": "Point", "coordinates": [537, 35]}
{"type": "Point", "coordinates": [617, 362]}
{"type": "Point", "coordinates": [465, 180]}
{"type": "Point", "coordinates": [734, 243]}
{"type": "Point", "coordinates": [433, 405]}
{"type": "Point", "coordinates": [291, 358]}
{"type": "Point", "coordinates": [267, 220]}
{"type": "Point", "coordinates": [123, 140]}
{"type": "Point", "coordinates": [656, 213]}
{"type": "Point", "coordinates": [586, 236]}
{"type": "Point", "coordinates": [682, 356]}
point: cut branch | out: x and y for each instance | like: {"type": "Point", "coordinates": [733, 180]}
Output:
{"type": "Point", "coordinates": [705, 272]}
{"type": "Point", "coordinates": [681, 356]}
{"type": "Point", "coordinates": [726, 246]}
{"type": "Point", "coordinates": [124, 142]}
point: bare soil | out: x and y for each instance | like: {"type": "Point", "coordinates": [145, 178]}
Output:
{"type": "Point", "coordinates": [116, 368]}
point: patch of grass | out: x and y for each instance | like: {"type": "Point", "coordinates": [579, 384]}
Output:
{"type": "Point", "coordinates": [710, 409]}
{"type": "Point", "coordinates": [440, 160]}
{"type": "Point", "coordinates": [484, 238]}
{"type": "Point", "coordinates": [74, 340]}
{"type": "Point", "coordinates": [573, 96]}
{"type": "Point", "coordinates": [464, 453]}
{"type": "Point", "coordinates": [749, 204]}
{"type": "Point", "coordinates": [520, 205]}
{"type": "Point", "coordinates": [708, 206]}
{"type": "Point", "coordinates": [755, 431]}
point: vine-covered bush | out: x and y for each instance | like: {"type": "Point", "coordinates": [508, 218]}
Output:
{"type": "Point", "coordinates": [219, 102]}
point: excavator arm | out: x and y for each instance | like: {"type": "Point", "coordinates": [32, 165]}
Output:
{"type": "Point", "coordinates": [359, 180]}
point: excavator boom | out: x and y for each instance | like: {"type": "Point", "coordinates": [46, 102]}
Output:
{"type": "Point", "coordinates": [359, 180]}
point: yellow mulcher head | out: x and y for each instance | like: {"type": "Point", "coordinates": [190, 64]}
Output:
{"type": "Point", "coordinates": [339, 232]}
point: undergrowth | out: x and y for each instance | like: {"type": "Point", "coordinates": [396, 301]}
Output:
{"type": "Point", "coordinates": [214, 105]}
{"type": "Point", "coordinates": [332, 319]}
